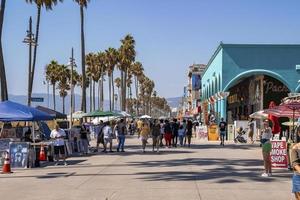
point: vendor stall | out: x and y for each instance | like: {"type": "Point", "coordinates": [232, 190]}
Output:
{"type": "Point", "coordinates": [20, 144]}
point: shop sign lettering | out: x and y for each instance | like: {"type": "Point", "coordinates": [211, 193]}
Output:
{"type": "Point", "coordinates": [279, 154]}
{"type": "Point", "coordinates": [272, 87]}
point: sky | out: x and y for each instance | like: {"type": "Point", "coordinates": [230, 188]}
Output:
{"type": "Point", "coordinates": [170, 34]}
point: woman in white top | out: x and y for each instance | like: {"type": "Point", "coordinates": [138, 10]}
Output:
{"type": "Point", "coordinates": [266, 148]}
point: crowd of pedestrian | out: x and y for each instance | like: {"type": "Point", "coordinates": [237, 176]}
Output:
{"type": "Point", "coordinates": [167, 133]}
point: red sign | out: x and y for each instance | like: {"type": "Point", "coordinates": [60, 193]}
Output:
{"type": "Point", "coordinates": [278, 154]}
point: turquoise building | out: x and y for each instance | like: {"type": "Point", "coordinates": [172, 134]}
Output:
{"type": "Point", "coordinates": [243, 78]}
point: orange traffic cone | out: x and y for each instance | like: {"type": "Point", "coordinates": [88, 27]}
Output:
{"type": "Point", "coordinates": [42, 156]}
{"type": "Point", "coordinates": [6, 167]}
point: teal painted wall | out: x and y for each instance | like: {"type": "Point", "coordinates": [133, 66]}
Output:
{"type": "Point", "coordinates": [232, 62]}
{"type": "Point", "coordinates": [278, 61]}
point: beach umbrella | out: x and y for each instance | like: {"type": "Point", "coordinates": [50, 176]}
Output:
{"type": "Point", "coordinates": [145, 117]}
{"type": "Point", "coordinates": [259, 115]}
{"type": "Point", "coordinates": [99, 113]}
{"type": "Point", "coordinates": [290, 109]}
{"type": "Point", "coordinates": [290, 123]}
{"type": "Point", "coordinates": [77, 115]}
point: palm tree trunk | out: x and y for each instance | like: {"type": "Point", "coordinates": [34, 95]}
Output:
{"type": "Point", "coordinates": [121, 90]}
{"type": "Point", "coordinates": [53, 92]}
{"type": "Point", "coordinates": [83, 101]}
{"type": "Point", "coordinates": [102, 93]}
{"type": "Point", "coordinates": [124, 91]}
{"type": "Point", "coordinates": [35, 49]}
{"type": "Point", "coordinates": [137, 94]}
{"type": "Point", "coordinates": [109, 86]}
{"type": "Point", "coordinates": [91, 97]}
{"type": "Point", "coordinates": [4, 94]}
{"type": "Point", "coordinates": [99, 87]}
{"type": "Point", "coordinates": [94, 96]}
{"type": "Point", "coordinates": [120, 99]}
{"type": "Point", "coordinates": [113, 90]}
{"type": "Point", "coordinates": [63, 98]}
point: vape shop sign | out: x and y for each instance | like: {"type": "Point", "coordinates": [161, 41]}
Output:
{"type": "Point", "coordinates": [278, 154]}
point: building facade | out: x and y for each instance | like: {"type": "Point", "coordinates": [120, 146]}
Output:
{"type": "Point", "coordinates": [243, 78]}
{"type": "Point", "coordinates": [192, 91]}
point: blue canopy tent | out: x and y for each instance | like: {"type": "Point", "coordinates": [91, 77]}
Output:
{"type": "Point", "coordinates": [11, 111]}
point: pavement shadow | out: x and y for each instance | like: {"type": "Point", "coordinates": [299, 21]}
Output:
{"type": "Point", "coordinates": [225, 171]}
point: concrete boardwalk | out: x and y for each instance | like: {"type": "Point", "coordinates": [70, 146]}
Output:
{"type": "Point", "coordinates": [206, 171]}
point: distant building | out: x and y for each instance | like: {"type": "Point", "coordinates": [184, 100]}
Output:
{"type": "Point", "coordinates": [192, 92]}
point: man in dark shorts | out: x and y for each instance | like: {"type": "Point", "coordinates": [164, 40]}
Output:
{"type": "Point", "coordinates": [59, 144]}
{"type": "Point", "coordinates": [222, 127]}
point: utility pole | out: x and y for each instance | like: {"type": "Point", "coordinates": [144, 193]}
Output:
{"type": "Point", "coordinates": [30, 40]}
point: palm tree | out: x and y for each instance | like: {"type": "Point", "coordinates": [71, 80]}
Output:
{"type": "Point", "coordinates": [138, 72]}
{"type": "Point", "coordinates": [48, 4]}
{"type": "Point", "coordinates": [111, 58]}
{"type": "Point", "coordinates": [126, 58]}
{"type": "Point", "coordinates": [82, 4]}
{"type": "Point", "coordinates": [4, 94]}
{"type": "Point", "coordinates": [52, 75]}
{"type": "Point", "coordinates": [93, 74]}
{"type": "Point", "coordinates": [63, 84]}
{"type": "Point", "coordinates": [118, 85]}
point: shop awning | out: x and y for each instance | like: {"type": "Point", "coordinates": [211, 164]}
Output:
{"type": "Point", "coordinates": [11, 111]}
{"type": "Point", "coordinates": [53, 113]}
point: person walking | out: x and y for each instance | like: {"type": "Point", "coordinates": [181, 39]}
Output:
{"type": "Point", "coordinates": [266, 148]}
{"type": "Point", "coordinates": [58, 135]}
{"type": "Point", "coordinates": [181, 135]}
{"type": "Point", "coordinates": [251, 130]}
{"type": "Point", "coordinates": [189, 132]}
{"type": "Point", "coordinates": [156, 136]}
{"type": "Point", "coordinates": [162, 132]}
{"type": "Point", "coordinates": [107, 136]}
{"type": "Point", "coordinates": [144, 134]}
{"type": "Point", "coordinates": [168, 133]}
{"type": "Point", "coordinates": [100, 139]}
{"type": "Point", "coordinates": [84, 139]}
{"type": "Point", "coordinates": [222, 129]}
{"type": "Point", "coordinates": [175, 127]}
{"type": "Point", "coordinates": [295, 161]}
{"type": "Point", "coordinates": [122, 131]}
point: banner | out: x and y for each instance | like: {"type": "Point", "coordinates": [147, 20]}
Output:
{"type": "Point", "coordinates": [278, 154]}
{"type": "Point", "coordinates": [213, 133]}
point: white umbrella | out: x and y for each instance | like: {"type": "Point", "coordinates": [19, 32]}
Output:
{"type": "Point", "coordinates": [290, 123]}
{"type": "Point", "coordinates": [104, 119]}
{"type": "Point", "coordinates": [145, 117]}
{"type": "Point", "coordinates": [259, 115]}
{"type": "Point", "coordinates": [77, 115]}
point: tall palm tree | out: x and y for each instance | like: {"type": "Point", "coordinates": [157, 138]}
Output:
{"type": "Point", "coordinates": [48, 4]}
{"type": "Point", "coordinates": [138, 72]}
{"type": "Point", "coordinates": [111, 58]}
{"type": "Point", "coordinates": [82, 4]}
{"type": "Point", "coordinates": [118, 85]}
{"type": "Point", "coordinates": [4, 94]}
{"type": "Point", "coordinates": [52, 75]}
{"type": "Point", "coordinates": [93, 74]}
{"type": "Point", "coordinates": [63, 84]}
{"type": "Point", "coordinates": [126, 58]}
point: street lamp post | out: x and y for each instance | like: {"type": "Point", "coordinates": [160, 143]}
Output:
{"type": "Point", "coordinates": [72, 64]}
{"type": "Point", "coordinates": [30, 40]}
